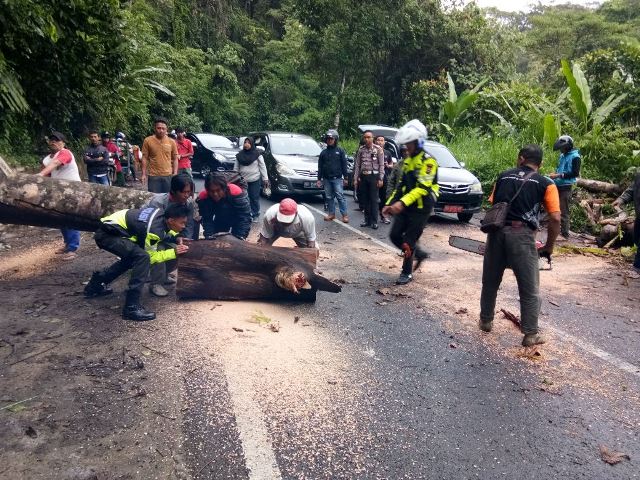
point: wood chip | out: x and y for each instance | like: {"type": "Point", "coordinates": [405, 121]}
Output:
{"type": "Point", "coordinates": [612, 457]}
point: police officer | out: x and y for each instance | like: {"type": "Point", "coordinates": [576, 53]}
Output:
{"type": "Point", "coordinates": [134, 235]}
{"type": "Point", "coordinates": [412, 201]}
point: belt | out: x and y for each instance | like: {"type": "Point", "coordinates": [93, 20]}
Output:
{"type": "Point", "coordinates": [517, 224]}
{"type": "Point", "coordinates": [369, 172]}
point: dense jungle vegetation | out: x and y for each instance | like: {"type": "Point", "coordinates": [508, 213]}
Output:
{"type": "Point", "coordinates": [483, 81]}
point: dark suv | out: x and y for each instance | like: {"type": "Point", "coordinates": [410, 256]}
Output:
{"type": "Point", "coordinates": [460, 190]}
{"type": "Point", "coordinates": [212, 152]}
{"type": "Point", "coordinates": [292, 162]}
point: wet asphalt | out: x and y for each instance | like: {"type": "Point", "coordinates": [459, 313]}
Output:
{"type": "Point", "coordinates": [430, 404]}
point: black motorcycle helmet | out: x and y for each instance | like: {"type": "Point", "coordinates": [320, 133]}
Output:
{"type": "Point", "coordinates": [333, 134]}
{"type": "Point", "coordinates": [564, 143]}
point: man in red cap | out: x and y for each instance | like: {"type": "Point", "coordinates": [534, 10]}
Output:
{"type": "Point", "coordinates": [289, 220]}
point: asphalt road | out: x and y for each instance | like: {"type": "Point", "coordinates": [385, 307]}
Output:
{"type": "Point", "coordinates": [404, 395]}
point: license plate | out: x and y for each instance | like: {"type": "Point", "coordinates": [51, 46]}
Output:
{"type": "Point", "coordinates": [309, 185]}
{"type": "Point", "coordinates": [452, 209]}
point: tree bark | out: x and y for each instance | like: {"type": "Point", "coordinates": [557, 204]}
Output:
{"type": "Point", "coordinates": [596, 186]}
{"type": "Point", "coordinates": [47, 202]}
{"type": "Point", "coordinates": [226, 268]}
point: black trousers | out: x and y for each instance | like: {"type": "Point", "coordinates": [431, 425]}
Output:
{"type": "Point", "coordinates": [636, 239]}
{"type": "Point", "coordinates": [132, 257]}
{"type": "Point", "coordinates": [369, 197]}
{"type": "Point", "coordinates": [406, 230]}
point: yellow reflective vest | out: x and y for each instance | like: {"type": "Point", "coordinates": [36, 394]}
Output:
{"type": "Point", "coordinates": [418, 186]}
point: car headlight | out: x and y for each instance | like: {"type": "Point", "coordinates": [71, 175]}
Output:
{"type": "Point", "coordinates": [476, 188]}
{"type": "Point", "coordinates": [284, 169]}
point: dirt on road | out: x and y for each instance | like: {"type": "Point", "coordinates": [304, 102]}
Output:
{"type": "Point", "coordinates": [86, 395]}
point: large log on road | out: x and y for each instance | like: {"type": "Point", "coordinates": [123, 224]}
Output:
{"type": "Point", "coordinates": [226, 268]}
{"type": "Point", "coordinates": [596, 186]}
{"type": "Point", "coordinates": [46, 202]}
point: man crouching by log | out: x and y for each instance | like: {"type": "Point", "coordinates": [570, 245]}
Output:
{"type": "Point", "coordinates": [224, 208]}
{"type": "Point", "coordinates": [134, 235]}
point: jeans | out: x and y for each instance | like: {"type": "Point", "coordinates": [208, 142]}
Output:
{"type": "Point", "coordinates": [159, 184]}
{"type": "Point", "coordinates": [71, 239]}
{"type": "Point", "coordinates": [515, 248]}
{"type": "Point", "coordinates": [333, 188]}
{"type": "Point", "coordinates": [99, 179]}
{"type": "Point", "coordinates": [253, 190]}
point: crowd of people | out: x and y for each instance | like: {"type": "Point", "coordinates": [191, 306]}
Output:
{"type": "Point", "coordinates": [148, 240]}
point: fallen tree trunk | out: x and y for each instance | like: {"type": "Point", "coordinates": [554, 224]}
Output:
{"type": "Point", "coordinates": [46, 202]}
{"type": "Point", "coordinates": [596, 186]}
{"type": "Point", "coordinates": [226, 268]}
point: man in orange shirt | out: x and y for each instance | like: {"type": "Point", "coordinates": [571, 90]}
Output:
{"type": "Point", "coordinates": [514, 245]}
{"type": "Point", "coordinates": [159, 158]}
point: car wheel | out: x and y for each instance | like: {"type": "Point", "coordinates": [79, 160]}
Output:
{"type": "Point", "coordinates": [465, 217]}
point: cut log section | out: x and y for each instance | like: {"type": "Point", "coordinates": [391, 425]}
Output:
{"type": "Point", "coordinates": [47, 202]}
{"type": "Point", "coordinates": [226, 268]}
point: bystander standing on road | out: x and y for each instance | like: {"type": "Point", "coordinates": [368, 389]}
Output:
{"type": "Point", "coordinates": [514, 245]}
{"type": "Point", "coordinates": [632, 194]}
{"type": "Point", "coordinates": [565, 176]}
{"type": "Point", "coordinates": [413, 199]}
{"type": "Point", "coordinates": [114, 155]}
{"type": "Point", "coordinates": [332, 172]}
{"type": "Point", "coordinates": [287, 219]}
{"type": "Point", "coordinates": [96, 157]}
{"type": "Point", "coordinates": [224, 208]}
{"type": "Point", "coordinates": [388, 168]}
{"type": "Point", "coordinates": [250, 164]}
{"type": "Point", "coordinates": [61, 165]}
{"type": "Point", "coordinates": [185, 152]}
{"type": "Point", "coordinates": [369, 173]}
{"type": "Point", "coordinates": [159, 158]}
{"type": "Point", "coordinates": [181, 193]}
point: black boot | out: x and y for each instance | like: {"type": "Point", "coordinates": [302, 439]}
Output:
{"type": "Point", "coordinates": [96, 287]}
{"type": "Point", "coordinates": [420, 256]}
{"type": "Point", "coordinates": [133, 310]}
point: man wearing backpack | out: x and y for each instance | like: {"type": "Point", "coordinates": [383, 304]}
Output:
{"type": "Point", "coordinates": [514, 244]}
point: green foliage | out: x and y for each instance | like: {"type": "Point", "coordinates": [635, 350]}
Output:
{"type": "Point", "coordinates": [455, 110]}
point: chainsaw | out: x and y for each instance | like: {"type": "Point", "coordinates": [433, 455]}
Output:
{"type": "Point", "coordinates": [477, 246]}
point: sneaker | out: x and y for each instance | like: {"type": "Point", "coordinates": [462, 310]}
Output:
{"type": "Point", "coordinates": [486, 326]}
{"type": "Point", "coordinates": [345, 219]}
{"type": "Point", "coordinates": [68, 256]}
{"type": "Point", "coordinates": [172, 279]}
{"type": "Point", "coordinates": [386, 221]}
{"type": "Point", "coordinates": [404, 278]}
{"type": "Point", "coordinates": [329, 218]}
{"type": "Point", "coordinates": [158, 290]}
{"type": "Point", "coordinates": [374, 226]}
{"type": "Point", "coordinates": [61, 250]}
{"type": "Point", "coordinates": [365, 224]}
{"type": "Point", "coordinates": [531, 339]}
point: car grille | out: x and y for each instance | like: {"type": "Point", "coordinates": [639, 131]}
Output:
{"type": "Point", "coordinates": [454, 188]}
{"type": "Point", "coordinates": [307, 173]}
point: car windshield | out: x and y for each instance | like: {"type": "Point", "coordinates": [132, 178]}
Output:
{"type": "Point", "coordinates": [443, 156]}
{"type": "Point", "coordinates": [281, 145]}
{"type": "Point", "coordinates": [215, 141]}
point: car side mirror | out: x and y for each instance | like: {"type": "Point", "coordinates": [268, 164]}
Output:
{"type": "Point", "coordinates": [462, 164]}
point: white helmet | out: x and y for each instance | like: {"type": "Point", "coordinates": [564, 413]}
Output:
{"type": "Point", "coordinates": [411, 131]}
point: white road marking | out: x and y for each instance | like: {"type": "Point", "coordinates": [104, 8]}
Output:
{"type": "Point", "coordinates": [386, 246]}
{"type": "Point", "coordinates": [259, 456]}
{"type": "Point", "coordinates": [581, 344]}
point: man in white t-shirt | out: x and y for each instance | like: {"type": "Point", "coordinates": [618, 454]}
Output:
{"type": "Point", "coordinates": [289, 220]}
{"type": "Point", "coordinates": [61, 165]}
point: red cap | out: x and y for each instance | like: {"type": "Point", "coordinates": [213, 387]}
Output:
{"type": "Point", "coordinates": [287, 210]}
